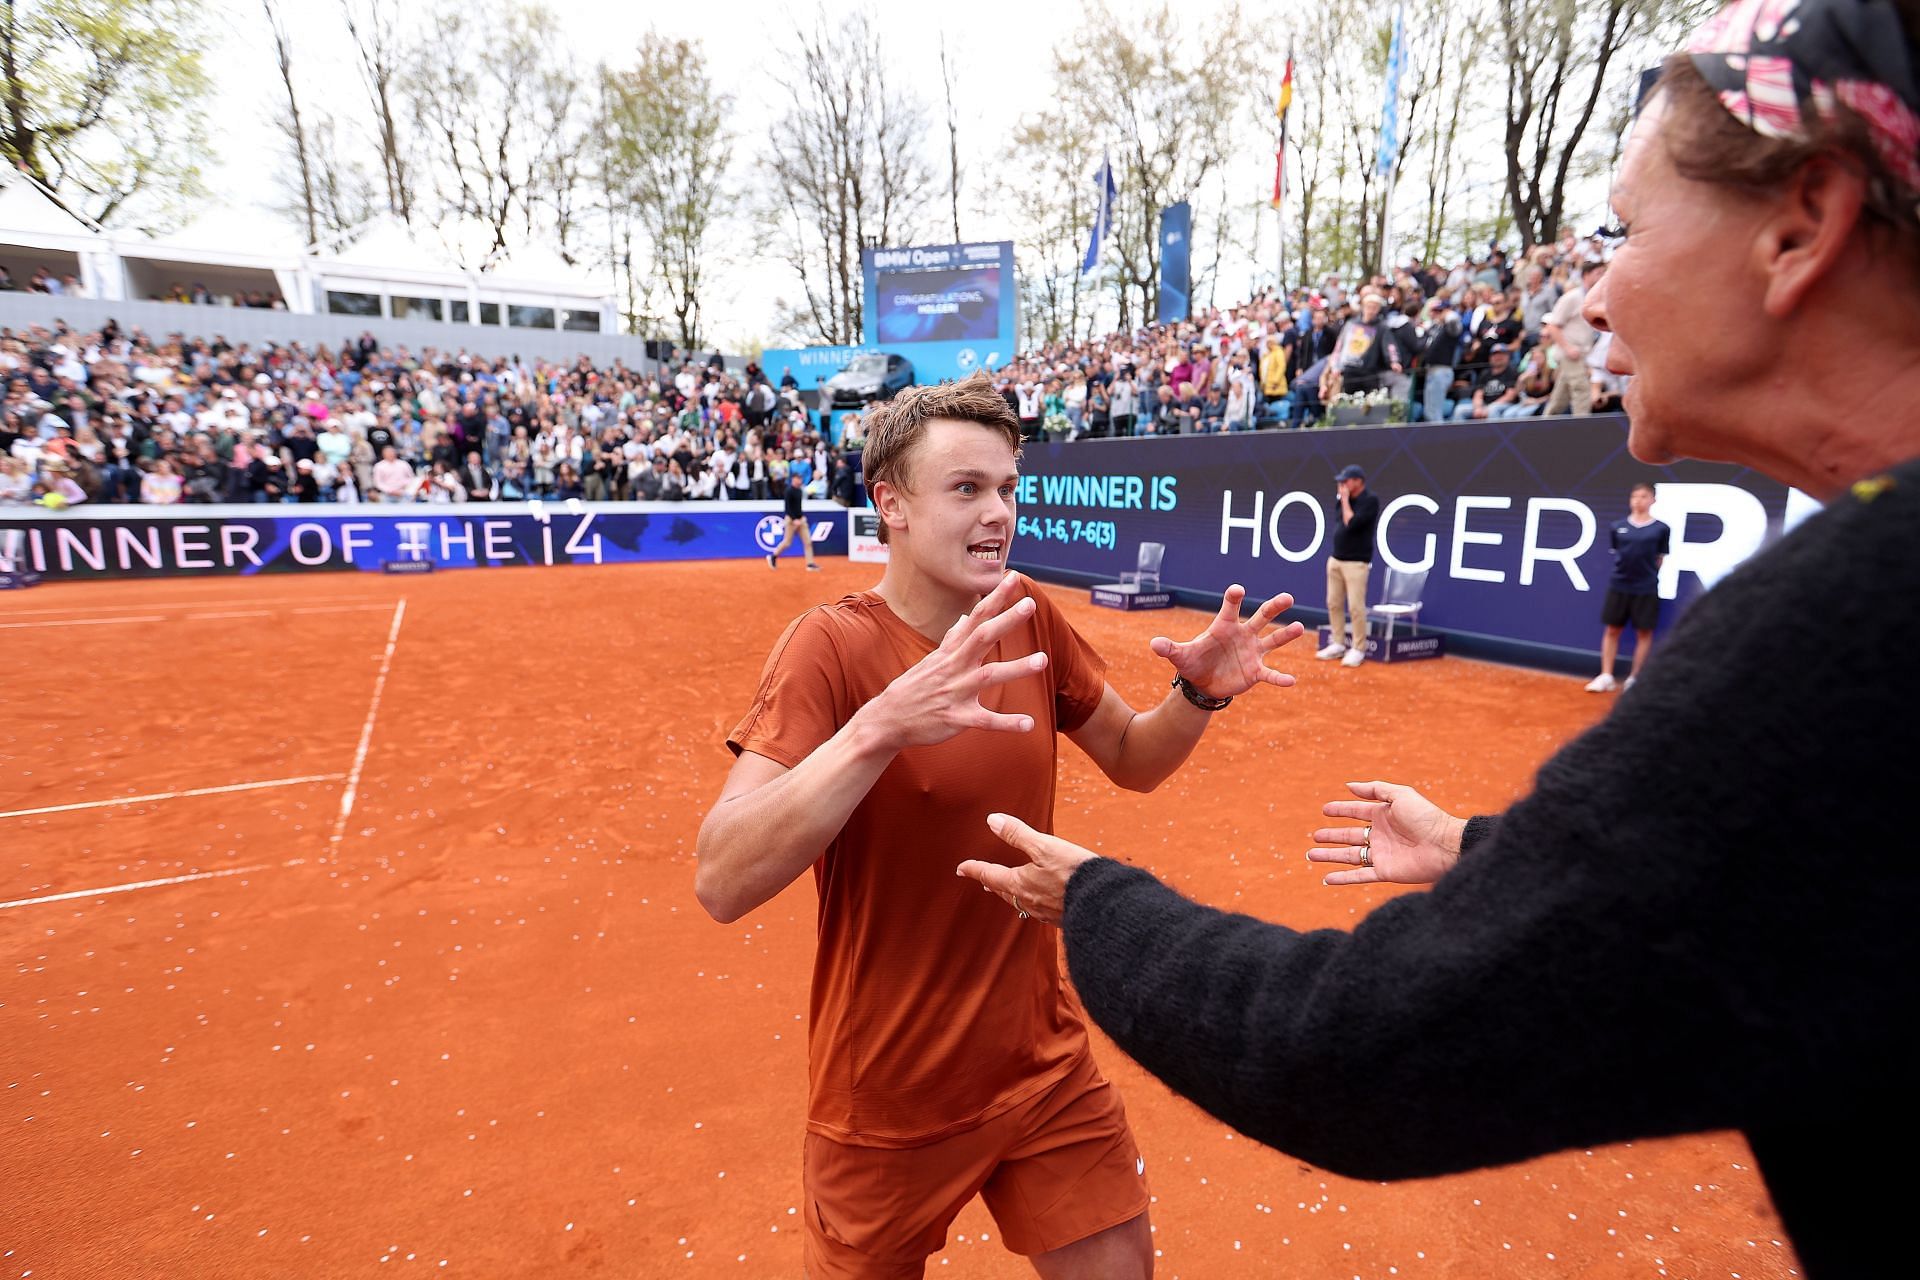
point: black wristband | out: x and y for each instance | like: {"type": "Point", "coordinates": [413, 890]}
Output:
{"type": "Point", "coordinates": [1198, 698]}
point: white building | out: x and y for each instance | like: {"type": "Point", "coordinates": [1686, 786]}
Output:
{"type": "Point", "coordinates": [381, 271]}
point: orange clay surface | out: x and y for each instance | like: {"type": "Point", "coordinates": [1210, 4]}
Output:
{"type": "Point", "coordinates": [490, 1032]}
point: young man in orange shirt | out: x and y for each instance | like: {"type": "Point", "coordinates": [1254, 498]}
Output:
{"type": "Point", "coordinates": [947, 1059]}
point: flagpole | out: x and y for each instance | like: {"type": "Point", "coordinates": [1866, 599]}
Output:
{"type": "Point", "coordinates": [1390, 133]}
{"type": "Point", "coordinates": [1280, 204]}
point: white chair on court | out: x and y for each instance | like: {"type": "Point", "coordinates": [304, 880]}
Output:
{"type": "Point", "coordinates": [1400, 598]}
{"type": "Point", "coordinates": [1145, 575]}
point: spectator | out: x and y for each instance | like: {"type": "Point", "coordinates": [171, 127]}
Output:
{"type": "Point", "coordinates": [304, 485]}
{"type": "Point", "coordinates": [1439, 353]}
{"type": "Point", "coordinates": [1537, 297]}
{"type": "Point", "coordinates": [1124, 403]}
{"type": "Point", "coordinates": [1099, 410]}
{"type": "Point", "coordinates": [1497, 390]}
{"type": "Point", "coordinates": [476, 479]}
{"type": "Point", "coordinates": [393, 479]}
{"type": "Point", "coordinates": [56, 487]}
{"type": "Point", "coordinates": [1274, 360]}
{"type": "Point", "coordinates": [16, 482]}
{"type": "Point", "coordinates": [161, 484]}
{"type": "Point", "coordinates": [841, 488]}
{"type": "Point", "coordinates": [1572, 337]}
{"type": "Point", "coordinates": [1364, 359]}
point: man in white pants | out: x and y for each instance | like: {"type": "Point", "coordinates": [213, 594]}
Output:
{"type": "Point", "coordinates": [1356, 512]}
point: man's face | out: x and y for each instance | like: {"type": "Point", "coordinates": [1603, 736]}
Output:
{"type": "Point", "coordinates": [955, 524]}
{"type": "Point", "coordinates": [1640, 501]}
{"type": "Point", "coordinates": [1500, 361]}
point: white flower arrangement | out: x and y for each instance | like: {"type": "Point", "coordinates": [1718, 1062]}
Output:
{"type": "Point", "coordinates": [1364, 399]}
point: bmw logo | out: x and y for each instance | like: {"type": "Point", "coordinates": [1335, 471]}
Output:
{"type": "Point", "coordinates": [769, 532]}
{"type": "Point", "coordinates": [967, 358]}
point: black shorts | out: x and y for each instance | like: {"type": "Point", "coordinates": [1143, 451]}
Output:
{"type": "Point", "coordinates": [1620, 609]}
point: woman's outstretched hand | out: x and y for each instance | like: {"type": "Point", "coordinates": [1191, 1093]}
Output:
{"type": "Point", "coordinates": [1408, 839]}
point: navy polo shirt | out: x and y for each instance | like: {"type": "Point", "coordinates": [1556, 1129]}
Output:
{"type": "Point", "coordinates": [1636, 556]}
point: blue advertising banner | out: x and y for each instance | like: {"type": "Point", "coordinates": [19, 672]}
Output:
{"type": "Point", "coordinates": [810, 366]}
{"type": "Point", "coordinates": [143, 542]}
{"type": "Point", "coordinates": [1176, 263]}
{"type": "Point", "coordinates": [1509, 520]}
{"type": "Point", "coordinates": [932, 361]}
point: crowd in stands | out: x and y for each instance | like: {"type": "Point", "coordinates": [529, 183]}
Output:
{"type": "Point", "coordinates": [70, 286]}
{"type": "Point", "coordinates": [117, 417]}
{"type": "Point", "coordinates": [113, 416]}
{"type": "Point", "coordinates": [1485, 338]}
{"type": "Point", "coordinates": [43, 281]}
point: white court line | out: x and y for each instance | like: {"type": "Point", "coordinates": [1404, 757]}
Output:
{"type": "Point", "coordinates": [188, 604]}
{"type": "Point", "coordinates": [148, 884]}
{"type": "Point", "coordinates": [366, 730]}
{"type": "Point", "coordinates": [172, 795]}
{"type": "Point", "coordinates": [80, 622]}
{"type": "Point", "coordinates": [189, 617]}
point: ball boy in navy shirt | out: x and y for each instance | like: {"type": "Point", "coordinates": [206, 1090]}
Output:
{"type": "Point", "coordinates": [1640, 543]}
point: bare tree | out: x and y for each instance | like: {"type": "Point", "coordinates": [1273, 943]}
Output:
{"type": "Point", "coordinates": [291, 124]}
{"type": "Point", "coordinates": [1453, 88]}
{"type": "Point", "coordinates": [383, 53]}
{"type": "Point", "coordinates": [344, 192]}
{"type": "Point", "coordinates": [953, 136]}
{"type": "Point", "coordinates": [1166, 97]}
{"type": "Point", "coordinates": [663, 153]}
{"type": "Point", "coordinates": [848, 170]}
{"type": "Point", "coordinates": [1047, 186]}
{"type": "Point", "coordinates": [1307, 134]}
{"type": "Point", "coordinates": [1561, 56]}
{"type": "Point", "coordinates": [492, 139]}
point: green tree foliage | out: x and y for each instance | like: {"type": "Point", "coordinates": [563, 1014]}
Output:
{"type": "Point", "coordinates": [105, 104]}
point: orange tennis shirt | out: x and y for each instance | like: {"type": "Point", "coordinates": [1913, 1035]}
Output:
{"type": "Point", "coordinates": [934, 1007]}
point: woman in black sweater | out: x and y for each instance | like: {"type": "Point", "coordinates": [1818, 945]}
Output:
{"type": "Point", "coordinates": [1663, 936]}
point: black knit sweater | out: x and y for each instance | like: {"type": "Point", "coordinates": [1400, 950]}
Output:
{"type": "Point", "coordinates": [1703, 917]}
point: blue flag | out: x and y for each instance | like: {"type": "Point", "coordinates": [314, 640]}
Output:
{"type": "Point", "coordinates": [1389, 158]}
{"type": "Point", "coordinates": [1102, 216]}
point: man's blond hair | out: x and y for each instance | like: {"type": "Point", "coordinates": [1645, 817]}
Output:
{"type": "Point", "coordinates": [896, 427]}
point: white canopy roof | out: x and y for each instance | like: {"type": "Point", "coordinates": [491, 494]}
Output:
{"type": "Point", "coordinates": [28, 216]}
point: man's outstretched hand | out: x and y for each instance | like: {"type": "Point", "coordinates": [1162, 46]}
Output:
{"type": "Point", "coordinates": [1229, 657]}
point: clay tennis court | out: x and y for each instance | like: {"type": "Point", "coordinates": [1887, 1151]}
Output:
{"type": "Point", "coordinates": [488, 1031]}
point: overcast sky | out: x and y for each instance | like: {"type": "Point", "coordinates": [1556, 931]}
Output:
{"type": "Point", "coordinates": [1002, 49]}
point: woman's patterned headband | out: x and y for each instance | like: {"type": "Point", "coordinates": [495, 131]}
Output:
{"type": "Point", "coordinates": [1776, 64]}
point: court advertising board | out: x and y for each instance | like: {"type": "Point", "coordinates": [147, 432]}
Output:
{"type": "Point", "coordinates": [863, 536]}
{"type": "Point", "coordinates": [1510, 521]}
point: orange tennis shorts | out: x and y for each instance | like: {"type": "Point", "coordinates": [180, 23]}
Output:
{"type": "Point", "coordinates": [1055, 1169]}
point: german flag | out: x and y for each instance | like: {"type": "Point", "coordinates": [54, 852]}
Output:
{"type": "Point", "coordinates": [1280, 154]}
